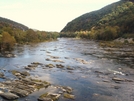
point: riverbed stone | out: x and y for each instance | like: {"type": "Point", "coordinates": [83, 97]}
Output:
{"type": "Point", "coordinates": [59, 66]}
{"type": "Point", "coordinates": [118, 79]}
{"type": "Point", "coordinates": [67, 89]}
{"type": "Point", "coordinates": [25, 73]}
{"type": "Point", "coordinates": [69, 68]}
{"type": "Point", "coordinates": [9, 96]}
{"type": "Point", "coordinates": [69, 96]}
{"type": "Point", "coordinates": [50, 65]}
{"type": "Point", "coordinates": [58, 61]}
{"type": "Point", "coordinates": [20, 92]}
{"type": "Point", "coordinates": [81, 61]}
{"type": "Point", "coordinates": [47, 59]}
{"type": "Point", "coordinates": [1, 75]}
{"type": "Point", "coordinates": [45, 99]}
{"type": "Point", "coordinates": [49, 97]}
{"type": "Point", "coordinates": [36, 63]}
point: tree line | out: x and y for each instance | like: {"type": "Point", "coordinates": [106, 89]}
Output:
{"type": "Point", "coordinates": [10, 35]}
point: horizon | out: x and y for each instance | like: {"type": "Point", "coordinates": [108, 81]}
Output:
{"type": "Point", "coordinates": [49, 15]}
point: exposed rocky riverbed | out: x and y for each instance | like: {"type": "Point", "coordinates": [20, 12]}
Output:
{"type": "Point", "coordinates": [66, 70]}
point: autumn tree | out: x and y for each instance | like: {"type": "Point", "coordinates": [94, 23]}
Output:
{"type": "Point", "coordinates": [7, 41]}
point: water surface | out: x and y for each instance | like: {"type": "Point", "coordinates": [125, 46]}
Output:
{"type": "Point", "coordinates": [91, 80]}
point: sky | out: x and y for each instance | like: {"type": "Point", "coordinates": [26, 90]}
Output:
{"type": "Point", "coordinates": [48, 15]}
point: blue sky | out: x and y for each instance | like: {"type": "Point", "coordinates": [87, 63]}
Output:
{"type": "Point", "coordinates": [48, 15]}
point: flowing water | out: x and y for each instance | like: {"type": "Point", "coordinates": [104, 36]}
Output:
{"type": "Point", "coordinates": [92, 69]}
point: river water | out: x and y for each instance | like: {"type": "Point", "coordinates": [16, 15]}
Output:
{"type": "Point", "coordinates": [92, 69]}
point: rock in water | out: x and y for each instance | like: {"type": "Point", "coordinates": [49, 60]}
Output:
{"type": "Point", "coordinates": [19, 92]}
{"type": "Point", "coordinates": [9, 96]}
{"type": "Point", "coordinates": [68, 96]}
{"type": "Point", "coordinates": [45, 99]}
{"type": "Point", "coordinates": [49, 97]}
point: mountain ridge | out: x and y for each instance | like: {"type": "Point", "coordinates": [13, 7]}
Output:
{"type": "Point", "coordinates": [7, 22]}
{"type": "Point", "coordinates": [108, 23]}
{"type": "Point", "coordinates": [87, 16]}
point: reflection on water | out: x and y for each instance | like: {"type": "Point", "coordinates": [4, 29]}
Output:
{"type": "Point", "coordinates": [91, 77]}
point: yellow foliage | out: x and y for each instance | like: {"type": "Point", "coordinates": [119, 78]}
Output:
{"type": "Point", "coordinates": [7, 41]}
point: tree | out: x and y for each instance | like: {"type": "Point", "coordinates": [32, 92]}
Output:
{"type": "Point", "coordinates": [7, 41]}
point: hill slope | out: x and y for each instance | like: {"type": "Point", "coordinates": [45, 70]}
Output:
{"type": "Point", "coordinates": [119, 16]}
{"type": "Point", "coordinates": [9, 23]}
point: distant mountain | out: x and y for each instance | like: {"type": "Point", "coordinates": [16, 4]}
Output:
{"type": "Point", "coordinates": [119, 15]}
{"type": "Point", "coordinates": [4, 22]}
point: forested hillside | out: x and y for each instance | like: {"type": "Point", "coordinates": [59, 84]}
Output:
{"type": "Point", "coordinates": [6, 22]}
{"type": "Point", "coordinates": [108, 23]}
{"type": "Point", "coordinates": [12, 32]}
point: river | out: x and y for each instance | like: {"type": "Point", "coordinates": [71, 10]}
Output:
{"type": "Point", "coordinates": [93, 73]}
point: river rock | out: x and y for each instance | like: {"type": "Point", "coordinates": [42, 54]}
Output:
{"type": "Point", "coordinates": [117, 87]}
{"type": "Point", "coordinates": [54, 57]}
{"type": "Point", "coordinates": [20, 74]}
{"type": "Point", "coordinates": [20, 92]}
{"type": "Point", "coordinates": [9, 96]}
{"type": "Point", "coordinates": [68, 96]}
{"type": "Point", "coordinates": [69, 68]}
{"type": "Point", "coordinates": [118, 79]}
{"type": "Point", "coordinates": [49, 97]}
{"type": "Point", "coordinates": [27, 88]}
{"type": "Point", "coordinates": [48, 59]}
{"type": "Point", "coordinates": [59, 66]}
{"type": "Point", "coordinates": [1, 75]}
{"type": "Point", "coordinates": [67, 89]}
{"type": "Point", "coordinates": [37, 63]}
{"type": "Point", "coordinates": [81, 61]}
{"type": "Point", "coordinates": [50, 65]}
{"type": "Point", "coordinates": [58, 61]}
{"type": "Point", "coordinates": [25, 73]}
{"type": "Point", "coordinates": [9, 55]}
{"type": "Point", "coordinates": [45, 99]}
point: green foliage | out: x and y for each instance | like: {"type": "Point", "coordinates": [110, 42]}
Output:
{"type": "Point", "coordinates": [7, 41]}
{"type": "Point", "coordinates": [108, 23]}
{"type": "Point", "coordinates": [68, 34]}
{"type": "Point", "coordinates": [11, 32]}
